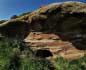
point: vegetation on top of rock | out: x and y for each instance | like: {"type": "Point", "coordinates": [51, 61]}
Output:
{"type": "Point", "coordinates": [2, 21]}
{"type": "Point", "coordinates": [14, 17]}
{"type": "Point", "coordinates": [23, 14]}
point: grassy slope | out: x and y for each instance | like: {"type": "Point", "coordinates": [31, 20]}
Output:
{"type": "Point", "coordinates": [9, 60]}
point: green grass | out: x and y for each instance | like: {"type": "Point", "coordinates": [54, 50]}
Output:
{"type": "Point", "coordinates": [35, 64]}
{"type": "Point", "coordinates": [63, 64]}
{"type": "Point", "coordinates": [7, 52]}
{"type": "Point", "coordinates": [10, 59]}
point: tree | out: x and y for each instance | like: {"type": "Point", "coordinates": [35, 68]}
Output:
{"type": "Point", "coordinates": [14, 16]}
{"type": "Point", "coordinates": [2, 21]}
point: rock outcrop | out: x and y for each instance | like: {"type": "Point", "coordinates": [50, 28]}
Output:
{"type": "Point", "coordinates": [15, 29]}
{"type": "Point", "coordinates": [59, 28]}
{"type": "Point", "coordinates": [52, 45]}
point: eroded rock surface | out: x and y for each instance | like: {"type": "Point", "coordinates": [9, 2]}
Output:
{"type": "Point", "coordinates": [46, 45]}
{"type": "Point", "coordinates": [59, 28]}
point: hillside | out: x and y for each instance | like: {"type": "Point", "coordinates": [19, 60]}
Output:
{"type": "Point", "coordinates": [65, 20]}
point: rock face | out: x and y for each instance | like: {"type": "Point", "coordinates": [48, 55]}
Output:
{"type": "Point", "coordinates": [58, 28]}
{"type": "Point", "coordinates": [15, 29]}
{"type": "Point", "coordinates": [45, 45]}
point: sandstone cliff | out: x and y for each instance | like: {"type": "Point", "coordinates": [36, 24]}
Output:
{"type": "Point", "coordinates": [58, 21]}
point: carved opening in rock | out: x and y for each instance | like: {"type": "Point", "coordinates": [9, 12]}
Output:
{"type": "Point", "coordinates": [43, 53]}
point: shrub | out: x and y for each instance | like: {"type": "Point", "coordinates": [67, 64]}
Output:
{"type": "Point", "coordinates": [10, 51]}
{"type": "Point", "coordinates": [2, 21]}
{"type": "Point", "coordinates": [14, 16]}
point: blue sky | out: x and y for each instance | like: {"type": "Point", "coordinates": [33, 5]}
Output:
{"type": "Point", "coordinates": [16, 7]}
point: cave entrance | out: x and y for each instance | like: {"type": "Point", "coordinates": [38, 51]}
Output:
{"type": "Point", "coordinates": [43, 53]}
